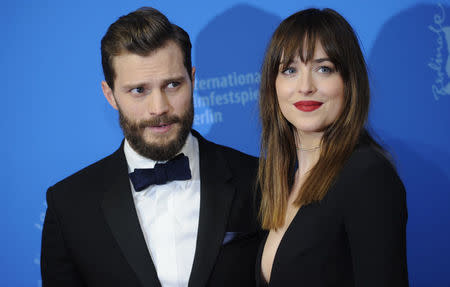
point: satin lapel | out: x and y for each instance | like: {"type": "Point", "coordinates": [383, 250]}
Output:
{"type": "Point", "coordinates": [216, 196]}
{"type": "Point", "coordinates": [120, 213]}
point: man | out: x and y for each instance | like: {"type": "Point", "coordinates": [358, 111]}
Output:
{"type": "Point", "coordinates": [168, 208]}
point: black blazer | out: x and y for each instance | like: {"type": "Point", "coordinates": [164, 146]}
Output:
{"type": "Point", "coordinates": [92, 236]}
{"type": "Point", "coordinates": [355, 236]}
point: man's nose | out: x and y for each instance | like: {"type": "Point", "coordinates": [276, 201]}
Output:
{"type": "Point", "coordinates": [158, 103]}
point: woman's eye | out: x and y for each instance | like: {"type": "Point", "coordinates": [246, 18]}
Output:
{"type": "Point", "coordinates": [288, 71]}
{"type": "Point", "coordinates": [325, 70]}
{"type": "Point", "coordinates": [138, 90]}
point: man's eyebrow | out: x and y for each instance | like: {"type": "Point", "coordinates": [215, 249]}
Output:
{"type": "Point", "coordinates": [175, 79]}
{"type": "Point", "coordinates": [171, 79]}
{"type": "Point", "coordinates": [130, 86]}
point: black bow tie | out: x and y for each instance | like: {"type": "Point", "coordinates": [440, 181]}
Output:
{"type": "Point", "coordinates": [175, 169]}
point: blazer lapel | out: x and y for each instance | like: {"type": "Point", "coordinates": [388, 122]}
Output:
{"type": "Point", "coordinates": [120, 213]}
{"type": "Point", "coordinates": [216, 196]}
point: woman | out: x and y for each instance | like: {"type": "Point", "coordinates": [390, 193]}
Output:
{"type": "Point", "coordinates": [334, 206]}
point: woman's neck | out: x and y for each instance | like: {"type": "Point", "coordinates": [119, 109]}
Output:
{"type": "Point", "coordinates": [308, 150]}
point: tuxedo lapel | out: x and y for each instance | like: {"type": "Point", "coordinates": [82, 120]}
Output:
{"type": "Point", "coordinates": [120, 214]}
{"type": "Point", "coordinates": [216, 195]}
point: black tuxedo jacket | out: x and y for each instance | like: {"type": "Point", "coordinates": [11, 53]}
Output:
{"type": "Point", "coordinates": [92, 236]}
{"type": "Point", "coordinates": [355, 236]}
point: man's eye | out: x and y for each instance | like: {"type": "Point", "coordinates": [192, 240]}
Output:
{"type": "Point", "coordinates": [172, 85]}
{"type": "Point", "coordinates": [138, 90]}
{"type": "Point", "coordinates": [289, 71]}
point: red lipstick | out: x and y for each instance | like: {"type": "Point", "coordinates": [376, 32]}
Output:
{"type": "Point", "coordinates": [307, 106]}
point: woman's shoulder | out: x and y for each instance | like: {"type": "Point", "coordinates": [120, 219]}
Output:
{"type": "Point", "coordinates": [369, 168]}
{"type": "Point", "coordinates": [368, 158]}
{"type": "Point", "coordinates": [368, 173]}
{"type": "Point", "coordinates": [368, 183]}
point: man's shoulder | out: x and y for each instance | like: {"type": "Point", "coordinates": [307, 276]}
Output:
{"type": "Point", "coordinates": [235, 156]}
{"type": "Point", "coordinates": [232, 156]}
{"type": "Point", "coordinates": [91, 175]}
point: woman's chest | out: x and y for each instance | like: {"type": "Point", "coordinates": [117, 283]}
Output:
{"type": "Point", "coordinates": [314, 244]}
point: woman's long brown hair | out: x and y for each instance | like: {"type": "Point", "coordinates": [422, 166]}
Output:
{"type": "Point", "coordinates": [295, 37]}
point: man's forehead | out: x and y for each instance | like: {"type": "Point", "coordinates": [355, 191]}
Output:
{"type": "Point", "coordinates": [162, 64]}
{"type": "Point", "coordinates": [170, 48]}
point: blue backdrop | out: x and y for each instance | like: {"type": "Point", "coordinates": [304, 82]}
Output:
{"type": "Point", "coordinates": [57, 120]}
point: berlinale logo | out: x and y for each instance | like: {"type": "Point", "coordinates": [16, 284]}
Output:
{"type": "Point", "coordinates": [441, 61]}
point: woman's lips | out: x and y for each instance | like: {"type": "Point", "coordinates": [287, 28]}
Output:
{"type": "Point", "coordinates": [307, 106]}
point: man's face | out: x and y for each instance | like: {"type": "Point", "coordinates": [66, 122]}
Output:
{"type": "Point", "coordinates": [153, 95]}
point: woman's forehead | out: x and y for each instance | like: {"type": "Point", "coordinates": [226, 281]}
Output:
{"type": "Point", "coordinates": [305, 51]}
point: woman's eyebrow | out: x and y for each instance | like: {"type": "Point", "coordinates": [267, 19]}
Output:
{"type": "Point", "coordinates": [320, 60]}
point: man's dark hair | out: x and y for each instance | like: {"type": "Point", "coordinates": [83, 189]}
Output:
{"type": "Point", "coordinates": [141, 32]}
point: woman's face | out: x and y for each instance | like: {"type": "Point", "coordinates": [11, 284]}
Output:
{"type": "Point", "coordinates": [310, 95]}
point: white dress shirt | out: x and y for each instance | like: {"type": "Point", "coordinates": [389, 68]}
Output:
{"type": "Point", "coordinates": [168, 215]}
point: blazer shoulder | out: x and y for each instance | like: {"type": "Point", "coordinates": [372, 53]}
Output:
{"type": "Point", "coordinates": [236, 160]}
{"type": "Point", "coordinates": [91, 175]}
{"type": "Point", "coordinates": [366, 158]}
{"type": "Point", "coordinates": [369, 171]}
{"type": "Point", "coordinates": [234, 157]}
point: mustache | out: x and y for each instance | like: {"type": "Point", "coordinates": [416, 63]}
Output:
{"type": "Point", "coordinates": [157, 121]}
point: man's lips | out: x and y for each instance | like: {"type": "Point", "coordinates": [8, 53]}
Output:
{"type": "Point", "coordinates": [161, 128]}
{"type": "Point", "coordinates": [160, 125]}
{"type": "Point", "coordinates": [307, 106]}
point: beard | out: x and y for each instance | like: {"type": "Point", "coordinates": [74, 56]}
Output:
{"type": "Point", "coordinates": [166, 148]}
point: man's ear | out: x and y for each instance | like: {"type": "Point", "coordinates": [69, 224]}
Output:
{"type": "Point", "coordinates": [108, 93]}
{"type": "Point", "coordinates": [193, 77]}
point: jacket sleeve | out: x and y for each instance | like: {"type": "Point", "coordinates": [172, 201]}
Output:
{"type": "Point", "coordinates": [375, 216]}
{"type": "Point", "coordinates": [57, 267]}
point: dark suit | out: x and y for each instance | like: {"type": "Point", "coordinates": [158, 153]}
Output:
{"type": "Point", "coordinates": [355, 236]}
{"type": "Point", "coordinates": [92, 236]}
